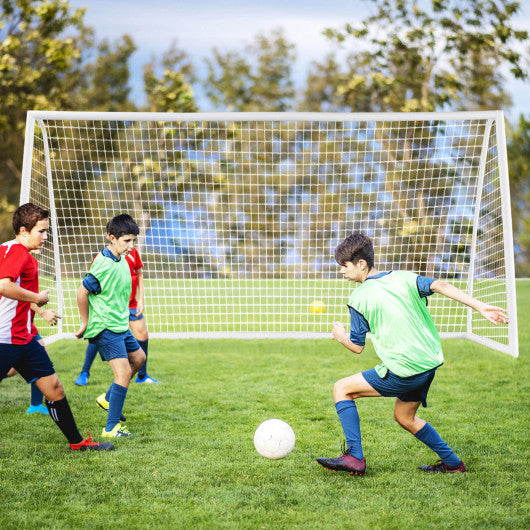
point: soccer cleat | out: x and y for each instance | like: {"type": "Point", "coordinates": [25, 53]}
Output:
{"type": "Point", "coordinates": [117, 432]}
{"type": "Point", "coordinates": [88, 445]}
{"type": "Point", "coordinates": [440, 467]}
{"type": "Point", "coordinates": [32, 409]}
{"type": "Point", "coordinates": [104, 404]}
{"type": "Point", "coordinates": [346, 462]}
{"type": "Point", "coordinates": [146, 379]}
{"type": "Point", "coordinates": [82, 379]}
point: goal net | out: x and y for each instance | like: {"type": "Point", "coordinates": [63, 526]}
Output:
{"type": "Point", "coordinates": [240, 213]}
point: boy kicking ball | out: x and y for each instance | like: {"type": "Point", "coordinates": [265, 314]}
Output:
{"type": "Point", "coordinates": [103, 302]}
{"type": "Point", "coordinates": [392, 306]}
{"type": "Point", "coordinates": [19, 345]}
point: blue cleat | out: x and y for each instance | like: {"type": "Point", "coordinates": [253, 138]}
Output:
{"type": "Point", "coordinates": [33, 409]}
{"type": "Point", "coordinates": [146, 379]}
{"type": "Point", "coordinates": [82, 379]}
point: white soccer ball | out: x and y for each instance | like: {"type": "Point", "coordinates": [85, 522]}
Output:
{"type": "Point", "coordinates": [274, 439]}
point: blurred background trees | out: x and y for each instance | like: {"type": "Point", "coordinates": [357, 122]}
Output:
{"type": "Point", "coordinates": [407, 56]}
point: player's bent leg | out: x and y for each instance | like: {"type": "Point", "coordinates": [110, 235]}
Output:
{"type": "Point", "coordinates": [353, 387]}
{"type": "Point", "coordinates": [405, 415]}
{"type": "Point", "coordinates": [136, 360]}
{"type": "Point", "coordinates": [117, 394]}
{"type": "Point", "coordinates": [51, 387]}
{"type": "Point", "coordinates": [139, 329]}
{"type": "Point", "coordinates": [345, 391]}
{"type": "Point", "coordinates": [122, 371]}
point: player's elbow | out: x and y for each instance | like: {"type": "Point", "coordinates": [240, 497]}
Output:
{"type": "Point", "coordinates": [4, 284]}
{"type": "Point", "coordinates": [439, 286]}
{"type": "Point", "coordinates": [82, 293]}
{"type": "Point", "coordinates": [356, 348]}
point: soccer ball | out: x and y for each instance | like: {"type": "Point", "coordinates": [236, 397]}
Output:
{"type": "Point", "coordinates": [274, 439]}
{"type": "Point", "coordinates": [317, 306]}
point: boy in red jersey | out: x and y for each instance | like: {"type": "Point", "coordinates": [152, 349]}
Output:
{"type": "Point", "coordinates": [136, 323]}
{"type": "Point", "coordinates": [19, 348]}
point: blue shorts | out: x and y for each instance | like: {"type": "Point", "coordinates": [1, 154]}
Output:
{"type": "Point", "coordinates": [413, 388]}
{"type": "Point", "coordinates": [133, 316]}
{"type": "Point", "coordinates": [114, 345]}
{"type": "Point", "coordinates": [30, 360]}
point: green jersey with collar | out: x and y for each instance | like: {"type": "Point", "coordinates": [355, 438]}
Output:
{"type": "Point", "coordinates": [401, 327]}
{"type": "Point", "coordinates": [109, 283]}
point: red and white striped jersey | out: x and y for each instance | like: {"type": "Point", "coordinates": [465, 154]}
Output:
{"type": "Point", "coordinates": [16, 317]}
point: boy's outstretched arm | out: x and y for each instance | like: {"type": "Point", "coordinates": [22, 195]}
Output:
{"type": "Point", "coordinates": [82, 304]}
{"type": "Point", "coordinates": [490, 312]}
{"type": "Point", "coordinates": [339, 334]}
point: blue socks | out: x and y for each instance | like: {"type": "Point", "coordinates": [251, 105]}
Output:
{"type": "Point", "coordinates": [142, 372]}
{"type": "Point", "coordinates": [349, 419]}
{"type": "Point", "coordinates": [428, 435]}
{"type": "Point", "coordinates": [116, 399]}
{"type": "Point", "coordinates": [90, 355]}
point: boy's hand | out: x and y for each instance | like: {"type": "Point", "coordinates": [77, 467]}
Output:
{"type": "Point", "coordinates": [338, 332]}
{"type": "Point", "coordinates": [493, 313]}
{"type": "Point", "coordinates": [81, 331]}
{"type": "Point", "coordinates": [51, 316]}
{"type": "Point", "coordinates": [139, 308]}
{"type": "Point", "coordinates": [44, 297]}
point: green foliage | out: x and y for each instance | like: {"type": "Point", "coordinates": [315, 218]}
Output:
{"type": "Point", "coordinates": [39, 54]}
{"type": "Point", "coordinates": [429, 56]}
{"type": "Point", "coordinates": [106, 79]}
{"type": "Point", "coordinates": [258, 80]}
{"type": "Point", "coordinates": [194, 464]}
{"type": "Point", "coordinates": [519, 167]}
{"type": "Point", "coordinates": [172, 91]}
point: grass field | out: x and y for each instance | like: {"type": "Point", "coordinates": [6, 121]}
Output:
{"type": "Point", "coordinates": [194, 464]}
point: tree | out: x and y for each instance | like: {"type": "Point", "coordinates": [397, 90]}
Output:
{"type": "Point", "coordinates": [172, 92]}
{"type": "Point", "coordinates": [519, 168]}
{"type": "Point", "coordinates": [105, 84]}
{"type": "Point", "coordinates": [39, 54]}
{"type": "Point", "coordinates": [257, 80]}
{"type": "Point", "coordinates": [412, 56]}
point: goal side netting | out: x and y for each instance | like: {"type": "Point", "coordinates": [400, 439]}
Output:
{"type": "Point", "coordinates": [240, 213]}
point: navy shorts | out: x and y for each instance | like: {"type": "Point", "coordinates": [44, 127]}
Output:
{"type": "Point", "coordinates": [133, 316]}
{"type": "Point", "coordinates": [413, 388]}
{"type": "Point", "coordinates": [30, 360]}
{"type": "Point", "coordinates": [114, 345]}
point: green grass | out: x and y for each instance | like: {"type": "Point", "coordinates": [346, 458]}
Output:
{"type": "Point", "coordinates": [194, 465]}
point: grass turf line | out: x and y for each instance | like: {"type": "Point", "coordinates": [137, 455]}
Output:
{"type": "Point", "coordinates": [194, 465]}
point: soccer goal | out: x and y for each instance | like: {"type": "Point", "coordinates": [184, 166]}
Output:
{"type": "Point", "coordinates": [240, 213]}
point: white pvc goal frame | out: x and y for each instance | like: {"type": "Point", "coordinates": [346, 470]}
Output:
{"type": "Point", "coordinates": [240, 213]}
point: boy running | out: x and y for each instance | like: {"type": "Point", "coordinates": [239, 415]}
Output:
{"type": "Point", "coordinates": [103, 302]}
{"type": "Point", "coordinates": [136, 323]}
{"type": "Point", "coordinates": [19, 347]}
{"type": "Point", "coordinates": [392, 306]}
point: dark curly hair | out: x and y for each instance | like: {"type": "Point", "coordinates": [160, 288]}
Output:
{"type": "Point", "coordinates": [27, 216]}
{"type": "Point", "coordinates": [354, 248]}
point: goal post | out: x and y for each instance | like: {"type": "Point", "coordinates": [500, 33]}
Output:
{"type": "Point", "coordinates": [239, 213]}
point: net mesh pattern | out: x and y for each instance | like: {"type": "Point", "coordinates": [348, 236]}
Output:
{"type": "Point", "coordinates": [239, 219]}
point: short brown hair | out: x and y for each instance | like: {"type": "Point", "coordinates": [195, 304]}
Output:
{"type": "Point", "coordinates": [354, 248]}
{"type": "Point", "coordinates": [27, 216]}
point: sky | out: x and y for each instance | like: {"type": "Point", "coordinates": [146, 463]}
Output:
{"type": "Point", "coordinates": [200, 25]}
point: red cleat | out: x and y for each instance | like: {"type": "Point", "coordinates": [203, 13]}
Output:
{"type": "Point", "coordinates": [88, 445]}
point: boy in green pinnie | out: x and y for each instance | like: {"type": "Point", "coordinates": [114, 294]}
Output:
{"type": "Point", "coordinates": [103, 302]}
{"type": "Point", "coordinates": [392, 306]}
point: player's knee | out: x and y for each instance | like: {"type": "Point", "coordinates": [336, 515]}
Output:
{"type": "Point", "coordinates": [54, 390]}
{"type": "Point", "coordinates": [340, 391]}
{"type": "Point", "coordinates": [405, 422]}
{"type": "Point", "coordinates": [141, 335]}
